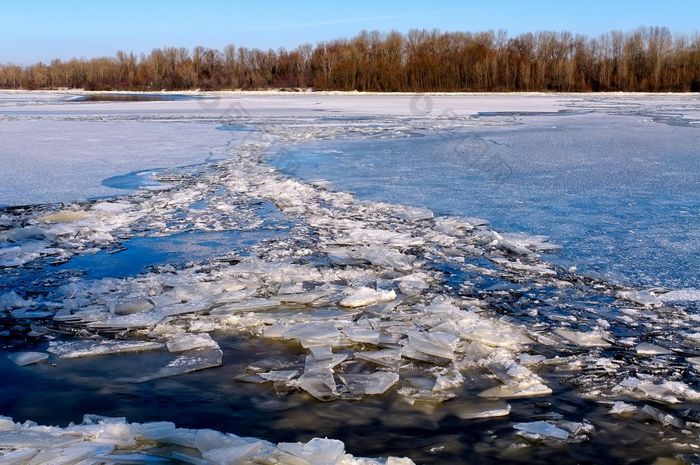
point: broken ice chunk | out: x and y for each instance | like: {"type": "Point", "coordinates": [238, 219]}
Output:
{"type": "Point", "coordinates": [360, 235]}
{"type": "Point", "coordinates": [252, 305]}
{"type": "Point", "coordinates": [321, 352]}
{"type": "Point", "coordinates": [11, 300]}
{"type": "Point", "coordinates": [362, 335]}
{"type": "Point", "coordinates": [18, 457]}
{"type": "Point", "coordinates": [413, 284]}
{"type": "Point", "coordinates": [388, 357]}
{"type": "Point", "coordinates": [32, 439]}
{"type": "Point", "coordinates": [364, 296]}
{"type": "Point", "coordinates": [373, 384]}
{"type": "Point", "coordinates": [669, 392]}
{"type": "Point", "coordinates": [524, 244]}
{"type": "Point", "coordinates": [589, 339]}
{"type": "Point", "coordinates": [492, 333]}
{"type": "Point", "coordinates": [447, 379]}
{"type": "Point", "coordinates": [646, 348]}
{"type": "Point", "coordinates": [530, 360]}
{"type": "Point", "coordinates": [539, 429]}
{"type": "Point", "coordinates": [412, 214]}
{"type": "Point", "coordinates": [681, 295]}
{"type": "Point", "coordinates": [186, 341]}
{"type": "Point", "coordinates": [317, 451]}
{"type": "Point", "coordinates": [665, 419]}
{"type": "Point", "coordinates": [470, 410]}
{"type": "Point", "coordinates": [280, 375]}
{"type": "Point", "coordinates": [76, 349]}
{"type": "Point", "coordinates": [303, 298]}
{"type": "Point", "coordinates": [313, 334]}
{"type": "Point", "coordinates": [236, 453]}
{"type": "Point", "coordinates": [622, 408]}
{"type": "Point", "coordinates": [27, 358]}
{"type": "Point", "coordinates": [133, 321]}
{"type": "Point", "coordinates": [645, 298]}
{"type": "Point", "coordinates": [200, 360]}
{"type": "Point", "coordinates": [438, 344]}
{"type": "Point", "coordinates": [319, 382]}
{"type": "Point", "coordinates": [136, 305]}
{"type": "Point", "coordinates": [334, 360]}
{"type": "Point", "coordinates": [383, 256]}
{"type": "Point", "coordinates": [529, 388]}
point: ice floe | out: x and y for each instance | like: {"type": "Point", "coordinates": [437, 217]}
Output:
{"type": "Point", "coordinates": [113, 440]}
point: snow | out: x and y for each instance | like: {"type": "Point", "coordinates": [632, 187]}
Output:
{"type": "Point", "coordinates": [39, 158]}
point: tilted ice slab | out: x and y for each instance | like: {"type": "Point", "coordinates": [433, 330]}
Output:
{"type": "Point", "coordinates": [78, 349]}
{"type": "Point", "coordinates": [27, 358]}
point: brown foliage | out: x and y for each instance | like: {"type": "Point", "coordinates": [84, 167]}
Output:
{"type": "Point", "coordinates": [647, 59]}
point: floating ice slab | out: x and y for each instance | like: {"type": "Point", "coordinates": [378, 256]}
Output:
{"type": "Point", "coordinates": [371, 384]}
{"type": "Point", "coordinates": [388, 357]}
{"type": "Point", "coordinates": [437, 344]}
{"type": "Point", "coordinates": [622, 408]}
{"type": "Point", "coordinates": [362, 335]}
{"type": "Point", "coordinates": [234, 453]}
{"type": "Point", "coordinates": [185, 341]}
{"type": "Point", "coordinates": [247, 306]}
{"type": "Point", "coordinates": [664, 418]}
{"type": "Point", "coordinates": [114, 441]}
{"type": "Point", "coordinates": [537, 429]}
{"type": "Point", "coordinates": [525, 389]}
{"type": "Point", "coordinates": [646, 348]}
{"type": "Point", "coordinates": [137, 305]}
{"type": "Point", "coordinates": [313, 334]}
{"type": "Point", "coordinates": [27, 358]}
{"type": "Point", "coordinates": [473, 410]}
{"type": "Point", "coordinates": [681, 295]}
{"type": "Point", "coordinates": [319, 382]}
{"type": "Point", "coordinates": [385, 257]}
{"type": "Point", "coordinates": [200, 360]}
{"type": "Point", "coordinates": [317, 451]}
{"type": "Point", "coordinates": [641, 297]}
{"type": "Point", "coordinates": [77, 349]}
{"type": "Point", "coordinates": [414, 214]}
{"type": "Point", "coordinates": [280, 375]}
{"type": "Point", "coordinates": [133, 321]}
{"type": "Point", "coordinates": [589, 339]}
{"type": "Point", "coordinates": [669, 392]}
{"type": "Point", "coordinates": [365, 296]}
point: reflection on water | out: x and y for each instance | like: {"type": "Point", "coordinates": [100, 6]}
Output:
{"type": "Point", "coordinates": [138, 254]}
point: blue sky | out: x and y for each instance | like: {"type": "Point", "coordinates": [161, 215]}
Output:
{"type": "Point", "coordinates": [33, 30]}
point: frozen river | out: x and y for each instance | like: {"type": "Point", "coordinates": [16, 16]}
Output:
{"type": "Point", "coordinates": [620, 194]}
{"type": "Point", "coordinates": [439, 279]}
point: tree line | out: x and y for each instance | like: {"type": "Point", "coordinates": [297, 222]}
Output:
{"type": "Point", "coordinates": [647, 59]}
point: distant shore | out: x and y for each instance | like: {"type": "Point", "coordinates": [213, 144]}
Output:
{"type": "Point", "coordinates": [219, 93]}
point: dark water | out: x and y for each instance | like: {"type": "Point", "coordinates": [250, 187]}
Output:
{"type": "Point", "coordinates": [138, 254]}
{"type": "Point", "coordinates": [430, 434]}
